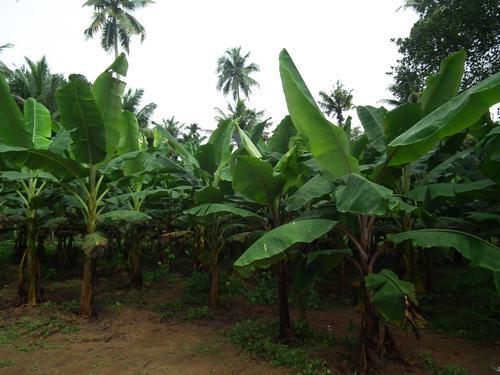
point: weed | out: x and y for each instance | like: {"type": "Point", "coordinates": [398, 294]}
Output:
{"type": "Point", "coordinates": [6, 363]}
{"type": "Point", "coordinates": [202, 312]}
{"type": "Point", "coordinates": [256, 337]}
{"type": "Point", "coordinates": [430, 364]}
{"type": "Point", "coordinates": [205, 347]}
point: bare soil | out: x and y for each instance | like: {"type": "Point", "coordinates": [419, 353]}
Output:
{"type": "Point", "coordinates": [130, 336]}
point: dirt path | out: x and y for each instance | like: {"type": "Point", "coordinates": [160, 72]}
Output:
{"type": "Point", "coordinates": [131, 337]}
{"type": "Point", "coordinates": [132, 341]}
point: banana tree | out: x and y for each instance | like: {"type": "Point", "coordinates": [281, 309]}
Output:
{"type": "Point", "coordinates": [93, 116]}
{"type": "Point", "coordinates": [215, 220]}
{"type": "Point", "coordinates": [385, 297]}
{"type": "Point", "coordinates": [33, 128]}
{"type": "Point", "coordinates": [30, 189]}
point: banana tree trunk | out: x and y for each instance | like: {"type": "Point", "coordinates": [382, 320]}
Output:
{"type": "Point", "coordinates": [21, 244]}
{"type": "Point", "coordinates": [375, 338]}
{"type": "Point", "coordinates": [29, 288]}
{"type": "Point", "coordinates": [214, 286]}
{"type": "Point", "coordinates": [284, 308]}
{"type": "Point", "coordinates": [88, 287]}
{"type": "Point", "coordinates": [135, 263]}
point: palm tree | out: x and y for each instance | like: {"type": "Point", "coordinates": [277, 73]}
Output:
{"type": "Point", "coordinates": [173, 126]}
{"type": "Point", "coordinates": [34, 80]}
{"type": "Point", "coordinates": [193, 134]}
{"type": "Point", "coordinates": [131, 102]}
{"type": "Point", "coordinates": [234, 73]}
{"type": "Point", "coordinates": [116, 23]}
{"type": "Point", "coordinates": [337, 101]}
{"type": "Point", "coordinates": [245, 117]}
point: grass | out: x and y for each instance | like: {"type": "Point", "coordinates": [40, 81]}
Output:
{"type": "Point", "coordinates": [464, 304]}
{"type": "Point", "coordinates": [27, 334]}
{"type": "Point", "coordinates": [6, 363]}
{"type": "Point", "coordinates": [212, 346]}
{"type": "Point", "coordinates": [430, 364]}
{"type": "Point", "coordinates": [257, 338]}
{"type": "Point", "coordinates": [181, 310]}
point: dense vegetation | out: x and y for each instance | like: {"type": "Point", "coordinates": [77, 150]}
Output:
{"type": "Point", "coordinates": [385, 210]}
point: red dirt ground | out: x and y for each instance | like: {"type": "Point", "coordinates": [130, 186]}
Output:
{"type": "Point", "coordinates": [133, 339]}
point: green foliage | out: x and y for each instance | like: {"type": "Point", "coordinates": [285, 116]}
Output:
{"type": "Point", "coordinates": [201, 312]}
{"type": "Point", "coordinates": [272, 246]}
{"type": "Point", "coordinates": [444, 27]}
{"type": "Point", "coordinates": [480, 252]}
{"type": "Point", "coordinates": [6, 363]}
{"type": "Point", "coordinates": [391, 296]}
{"type": "Point", "coordinates": [327, 142]}
{"type": "Point", "coordinates": [430, 364]}
{"type": "Point", "coordinates": [257, 338]}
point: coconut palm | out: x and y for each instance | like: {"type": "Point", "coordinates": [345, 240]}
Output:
{"type": "Point", "coordinates": [234, 73]}
{"type": "Point", "coordinates": [116, 23]}
{"type": "Point", "coordinates": [34, 80]}
{"type": "Point", "coordinates": [132, 103]}
{"type": "Point", "coordinates": [173, 126]}
{"type": "Point", "coordinates": [193, 134]}
{"type": "Point", "coordinates": [337, 101]}
{"type": "Point", "coordinates": [245, 117]}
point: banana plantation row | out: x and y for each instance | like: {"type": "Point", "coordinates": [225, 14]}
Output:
{"type": "Point", "coordinates": [312, 199]}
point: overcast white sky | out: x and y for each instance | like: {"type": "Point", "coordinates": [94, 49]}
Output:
{"type": "Point", "coordinates": [328, 40]}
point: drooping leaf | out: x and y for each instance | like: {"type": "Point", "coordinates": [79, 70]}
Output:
{"type": "Point", "coordinates": [372, 120]}
{"type": "Point", "coordinates": [80, 115]}
{"type": "Point", "coordinates": [94, 241]}
{"type": "Point", "coordinates": [218, 208]}
{"type": "Point", "coordinates": [13, 131]}
{"type": "Point", "coordinates": [479, 252]}
{"type": "Point", "coordinates": [316, 187]}
{"type": "Point", "coordinates": [271, 247]}
{"type": "Point", "coordinates": [247, 144]}
{"type": "Point", "coordinates": [391, 296]}
{"type": "Point", "coordinates": [447, 190]}
{"type": "Point", "coordinates": [120, 65]}
{"type": "Point", "coordinates": [182, 151]}
{"type": "Point", "coordinates": [44, 160]}
{"type": "Point", "coordinates": [38, 123]}
{"type": "Point", "coordinates": [329, 144]}
{"type": "Point", "coordinates": [124, 215]}
{"type": "Point", "coordinates": [17, 176]}
{"type": "Point", "coordinates": [400, 119]}
{"type": "Point", "coordinates": [435, 172]}
{"type": "Point", "coordinates": [452, 117]}
{"type": "Point", "coordinates": [254, 179]}
{"type": "Point", "coordinates": [360, 196]}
